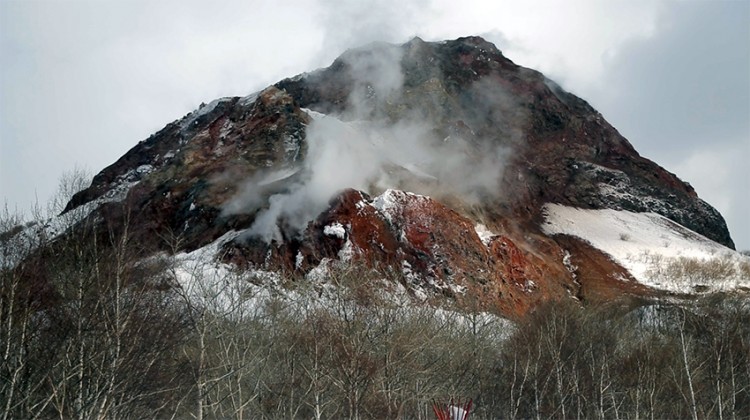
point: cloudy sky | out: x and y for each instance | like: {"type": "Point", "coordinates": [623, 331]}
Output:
{"type": "Point", "coordinates": [81, 82]}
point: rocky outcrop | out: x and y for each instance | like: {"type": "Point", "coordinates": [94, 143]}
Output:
{"type": "Point", "coordinates": [179, 180]}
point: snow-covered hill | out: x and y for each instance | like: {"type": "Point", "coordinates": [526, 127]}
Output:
{"type": "Point", "coordinates": [655, 250]}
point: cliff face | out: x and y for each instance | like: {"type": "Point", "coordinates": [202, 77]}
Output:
{"type": "Point", "coordinates": [314, 170]}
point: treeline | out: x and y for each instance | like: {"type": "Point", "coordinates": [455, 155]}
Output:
{"type": "Point", "coordinates": [91, 330]}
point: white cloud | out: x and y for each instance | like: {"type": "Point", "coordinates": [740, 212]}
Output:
{"type": "Point", "coordinates": [721, 178]}
{"type": "Point", "coordinates": [567, 40]}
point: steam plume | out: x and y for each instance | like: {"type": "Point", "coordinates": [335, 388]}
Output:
{"type": "Point", "coordinates": [367, 149]}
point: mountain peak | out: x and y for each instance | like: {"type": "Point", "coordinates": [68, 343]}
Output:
{"type": "Point", "coordinates": [480, 139]}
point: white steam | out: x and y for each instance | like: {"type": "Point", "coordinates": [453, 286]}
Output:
{"type": "Point", "coordinates": [364, 150]}
{"type": "Point", "coordinates": [378, 78]}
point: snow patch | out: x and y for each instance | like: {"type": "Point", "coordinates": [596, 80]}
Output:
{"type": "Point", "coordinates": [347, 252]}
{"type": "Point", "coordinates": [655, 250]}
{"type": "Point", "coordinates": [249, 99]}
{"type": "Point", "coordinates": [35, 235]}
{"type": "Point", "coordinates": [226, 128]}
{"type": "Point", "coordinates": [389, 203]}
{"type": "Point", "coordinates": [335, 229]}
{"type": "Point", "coordinates": [120, 188]}
{"type": "Point", "coordinates": [45, 231]}
{"type": "Point", "coordinates": [484, 234]}
{"type": "Point", "coordinates": [321, 273]}
{"type": "Point", "coordinates": [528, 286]}
{"type": "Point", "coordinates": [315, 115]}
{"type": "Point", "coordinates": [413, 281]}
{"type": "Point", "coordinates": [205, 282]}
{"type": "Point", "coordinates": [192, 119]}
{"type": "Point", "coordinates": [291, 147]}
{"type": "Point", "coordinates": [568, 263]}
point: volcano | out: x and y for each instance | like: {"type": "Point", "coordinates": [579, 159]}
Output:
{"type": "Point", "coordinates": [466, 176]}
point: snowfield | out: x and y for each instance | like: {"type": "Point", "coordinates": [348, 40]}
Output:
{"type": "Point", "coordinates": [207, 284]}
{"type": "Point", "coordinates": [655, 250]}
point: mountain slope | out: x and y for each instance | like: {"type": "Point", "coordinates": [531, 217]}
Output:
{"type": "Point", "coordinates": [316, 168]}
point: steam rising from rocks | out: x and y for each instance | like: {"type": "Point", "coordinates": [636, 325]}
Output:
{"type": "Point", "coordinates": [376, 144]}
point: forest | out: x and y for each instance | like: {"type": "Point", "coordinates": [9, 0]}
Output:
{"type": "Point", "coordinates": [91, 329]}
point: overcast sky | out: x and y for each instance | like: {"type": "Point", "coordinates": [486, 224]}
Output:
{"type": "Point", "coordinates": [81, 82]}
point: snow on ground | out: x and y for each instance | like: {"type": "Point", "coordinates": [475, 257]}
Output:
{"type": "Point", "coordinates": [484, 234]}
{"type": "Point", "coordinates": [655, 250]}
{"type": "Point", "coordinates": [249, 99]}
{"type": "Point", "coordinates": [38, 233]}
{"type": "Point", "coordinates": [387, 202]}
{"type": "Point", "coordinates": [191, 118]}
{"type": "Point", "coordinates": [206, 283]}
{"type": "Point", "coordinates": [46, 230]}
{"type": "Point", "coordinates": [203, 280]}
{"type": "Point", "coordinates": [335, 229]}
{"type": "Point", "coordinates": [391, 201]}
{"type": "Point", "coordinates": [315, 115]}
{"type": "Point", "coordinates": [347, 251]}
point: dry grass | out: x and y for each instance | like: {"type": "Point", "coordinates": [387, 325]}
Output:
{"type": "Point", "coordinates": [744, 269]}
{"type": "Point", "coordinates": [703, 274]}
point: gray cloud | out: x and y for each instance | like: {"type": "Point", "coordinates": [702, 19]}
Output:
{"type": "Point", "coordinates": [350, 24]}
{"type": "Point", "coordinates": [688, 84]}
{"type": "Point", "coordinates": [682, 97]}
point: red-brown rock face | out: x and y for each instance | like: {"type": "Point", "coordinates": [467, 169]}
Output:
{"type": "Point", "coordinates": [435, 250]}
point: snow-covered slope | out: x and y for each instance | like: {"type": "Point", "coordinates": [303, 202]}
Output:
{"type": "Point", "coordinates": [206, 283]}
{"type": "Point", "coordinates": [655, 250]}
{"type": "Point", "coordinates": [43, 231]}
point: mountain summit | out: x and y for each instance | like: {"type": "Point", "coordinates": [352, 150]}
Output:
{"type": "Point", "coordinates": [442, 162]}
